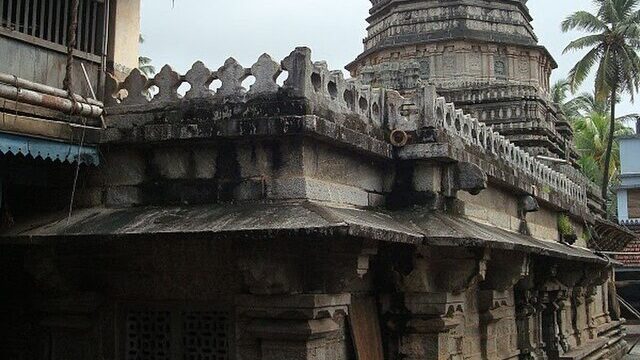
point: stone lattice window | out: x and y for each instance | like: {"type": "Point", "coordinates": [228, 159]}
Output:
{"type": "Point", "coordinates": [205, 335]}
{"type": "Point", "coordinates": [175, 333]}
{"type": "Point", "coordinates": [148, 335]}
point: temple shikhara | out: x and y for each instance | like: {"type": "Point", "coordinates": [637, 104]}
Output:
{"type": "Point", "coordinates": [427, 207]}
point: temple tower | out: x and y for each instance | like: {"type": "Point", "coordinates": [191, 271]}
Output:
{"type": "Point", "coordinates": [482, 55]}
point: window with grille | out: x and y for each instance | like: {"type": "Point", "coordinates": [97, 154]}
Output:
{"type": "Point", "coordinates": [176, 334]}
{"type": "Point", "coordinates": [634, 203]}
{"type": "Point", "coordinates": [48, 20]}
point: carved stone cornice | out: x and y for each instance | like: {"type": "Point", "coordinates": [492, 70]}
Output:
{"type": "Point", "coordinates": [292, 307]}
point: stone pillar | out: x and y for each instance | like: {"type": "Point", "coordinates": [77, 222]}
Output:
{"type": "Point", "coordinates": [432, 296]}
{"type": "Point", "coordinates": [565, 330]}
{"type": "Point", "coordinates": [70, 323]}
{"type": "Point", "coordinates": [590, 300]}
{"type": "Point", "coordinates": [596, 280]}
{"type": "Point", "coordinates": [549, 289]}
{"type": "Point", "coordinates": [435, 330]}
{"type": "Point", "coordinates": [497, 305]}
{"type": "Point", "coordinates": [540, 308]}
{"type": "Point", "coordinates": [497, 324]}
{"type": "Point", "coordinates": [571, 300]}
{"type": "Point", "coordinates": [294, 327]}
{"type": "Point", "coordinates": [550, 328]}
{"type": "Point", "coordinates": [580, 321]}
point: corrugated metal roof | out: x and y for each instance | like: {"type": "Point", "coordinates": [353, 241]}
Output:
{"type": "Point", "coordinates": [48, 150]}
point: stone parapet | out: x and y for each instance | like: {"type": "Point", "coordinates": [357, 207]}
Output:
{"type": "Point", "coordinates": [365, 114]}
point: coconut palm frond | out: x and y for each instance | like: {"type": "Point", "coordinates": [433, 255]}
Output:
{"type": "Point", "coordinates": [613, 40]}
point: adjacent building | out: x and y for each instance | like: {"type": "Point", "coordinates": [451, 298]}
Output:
{"type": "Point", "coordinates": [47, 127]}
{"type": "Point", "coordinates": [628, 276]}
{"type": "Point", "coordinates": [629, 189]}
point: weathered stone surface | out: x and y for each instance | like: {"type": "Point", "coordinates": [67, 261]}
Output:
{"type": "Point", "coordinates": [231, 74]}
{"type": "Point", "coordinates": [266, 72]}
{"type": "Point", "coordinates": [484, 69]}
{"type": "Point", "coordinates": [242, 224]}
{"type": "Point", "coordinates": [199, 77]}
{"type": "Point", "coordinates": [135, 84]}
{"type": "Point", "coordinates": [168, 81]}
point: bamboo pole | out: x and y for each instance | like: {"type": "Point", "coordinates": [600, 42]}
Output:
{"type": "Point", "coordinates": [12, 80]}
{"type": "Point", "coordinates": [49, 101]}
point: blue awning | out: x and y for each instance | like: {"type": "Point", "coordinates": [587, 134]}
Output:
{"type": "Point", "coordinates": [48, 150]}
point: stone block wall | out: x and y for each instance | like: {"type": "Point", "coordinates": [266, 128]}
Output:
{"type": "Point", "coordinates": [247, 298]}
{"type": "Point", "coordinates": [251, 170]}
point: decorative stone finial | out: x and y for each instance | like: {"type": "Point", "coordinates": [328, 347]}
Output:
{"type": "Point", "coordinates": [135, 84]}
{"type": "Point", "coordinates": [266, 72]}
{"type": "Point", "coordinates": [231, 74]}
{"type": "Point", "coordinates": [199, 77]}
{"type": "Point", "coordinates": [168, 81]}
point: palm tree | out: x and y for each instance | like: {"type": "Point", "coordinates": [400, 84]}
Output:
{"type": "Point", "coordinates": [612, 43]}
{"type": "Point", "coordinates": [559, 95]}
{"type": "Point", "coordinates": [570, 107]}
{"type": "Point", "coordinates": [145, 66]}
{"type": "Point", "coordinates": [587, 103]}
{"type": "Point", "coordinates": [592, 135]}
{"type": "Point", "coordinates": [145, 63]}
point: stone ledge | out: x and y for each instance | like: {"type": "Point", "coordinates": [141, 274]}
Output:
{"type": "Point", "coordinates": [207, 129]}
{"type": "Point", "coordinates": [502, 175]}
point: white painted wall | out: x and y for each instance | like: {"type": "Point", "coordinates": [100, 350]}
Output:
{"type": "Point", "coordinates": [623, 205]}
{"type": "Point", "coordinates": [630, 155]}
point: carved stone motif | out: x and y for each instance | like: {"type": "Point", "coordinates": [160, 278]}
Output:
{"type": "Point", "coordinates": [266, 71]}
{"type": "Point", "coordinates": [168, 81]}
{"type": "Point", "coordinates": [231, 74]}
{"type": "Point", "coordinates": [199, 77]}
{"type": "Point", "coordinates": [294, 327]}
{"type": "Point", "coordinates": [136, 84]}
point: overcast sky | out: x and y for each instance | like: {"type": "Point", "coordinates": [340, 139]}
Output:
{"type": "Point", "coordinates": [213, 30]}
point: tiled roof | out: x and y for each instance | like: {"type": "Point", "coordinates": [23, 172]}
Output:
{"type": "Point", "coordinates": [632, 259]}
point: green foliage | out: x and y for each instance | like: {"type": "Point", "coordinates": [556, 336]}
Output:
{"type": "Point", "coordinates": [145, 63]}
{"type": "Point", "coordinates": [612, 50]}
{"type": "Point", "coordinates": [591, 137]}
{"type": "Point", "coordinates": [565, 228]}
{"type": "Point", "coordinates": [612, 44]}
{"type": "Point", "coordinates": [145, 66]}
{"type": "Point", "coordinates": [590, 120]}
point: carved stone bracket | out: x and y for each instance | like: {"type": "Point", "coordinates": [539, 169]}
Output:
{"type": "Point", "coordinates": [296, 326]}
{"type": "Point", "coordinates": [369, 250]}
{"type": "Point", "coordinates": [443, 270]}
{"type": "Point", "coordinates": [465, 176]}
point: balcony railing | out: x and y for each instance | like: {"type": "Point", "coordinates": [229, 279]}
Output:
{"type": "Point", "coordinates": [48, 21]}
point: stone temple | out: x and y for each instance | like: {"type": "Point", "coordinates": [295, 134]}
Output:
{"type": "Point", "coordinates": [400, 214]}
{"type": "Point", "coordinates": [482, 55]}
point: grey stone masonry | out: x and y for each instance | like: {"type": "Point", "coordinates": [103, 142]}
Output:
{"type": "Point", "coordinates": [346, 112]}
{"type": "Point", "coordinates": [481, 55]}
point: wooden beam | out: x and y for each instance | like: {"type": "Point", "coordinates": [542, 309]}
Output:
{"type": "Point", "coordinates": [46, 129]}
{"type": "Point", "coordinates": [48, 45]}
